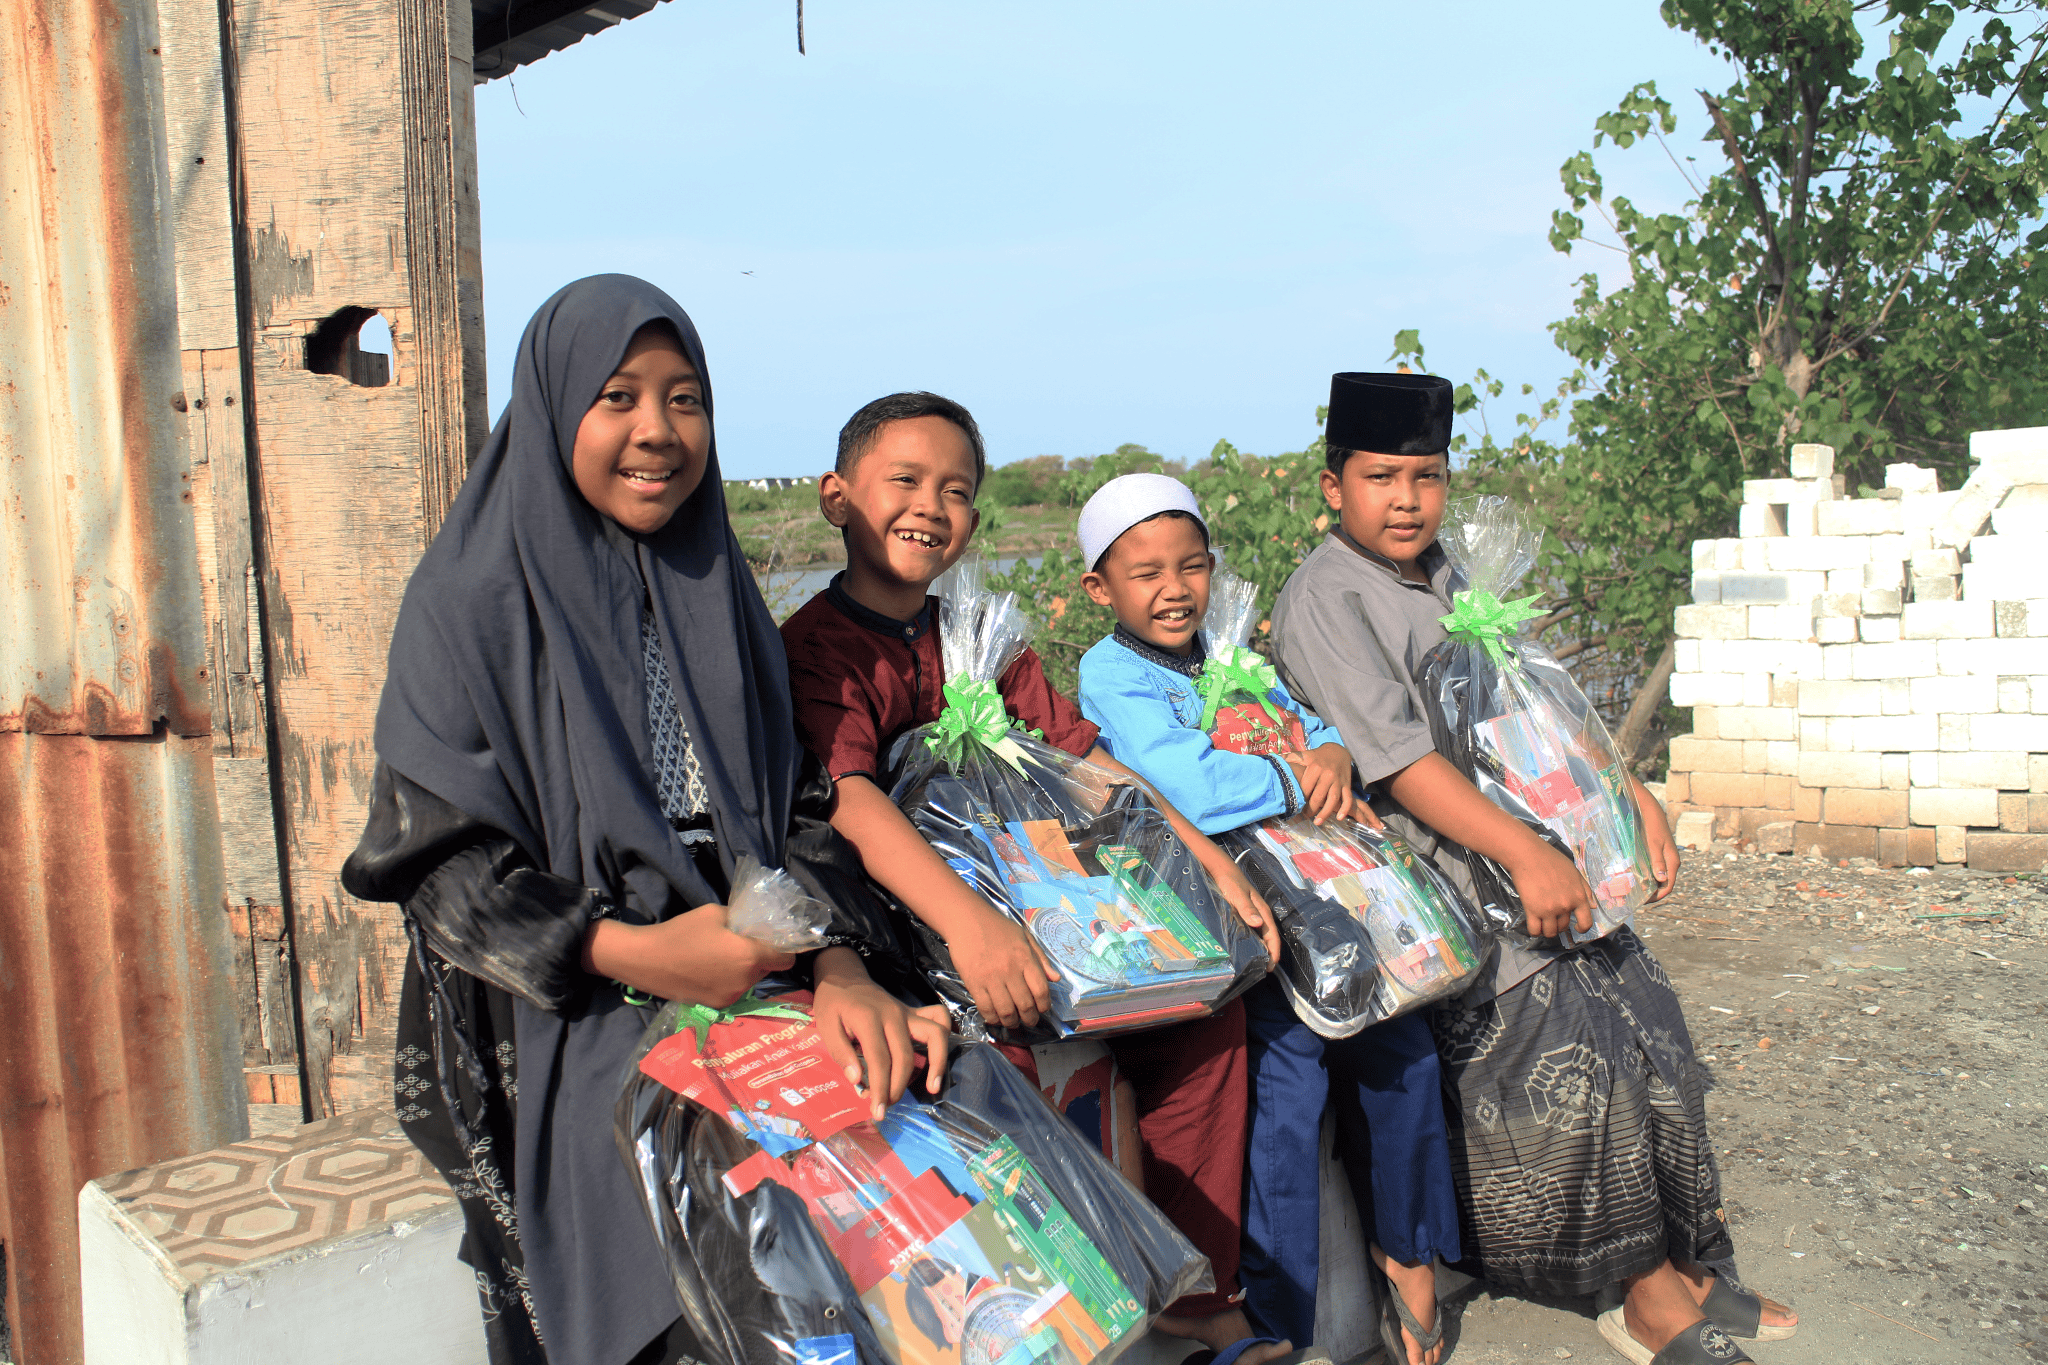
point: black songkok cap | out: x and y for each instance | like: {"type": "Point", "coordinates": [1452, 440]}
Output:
{"type": "Point", "coordinates": [1389, 414]}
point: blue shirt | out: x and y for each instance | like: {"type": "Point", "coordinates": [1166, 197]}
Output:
{"type": "Point", "coordinates": [1150, 712]}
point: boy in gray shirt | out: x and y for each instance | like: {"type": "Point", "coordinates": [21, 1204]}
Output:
{"type": "Point", "coordinates": [1624, 1193]}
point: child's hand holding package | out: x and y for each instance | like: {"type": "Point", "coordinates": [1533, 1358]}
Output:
{"type": "Point", "coordinates": [872, 1037]}
{"type": "Point", "coordinates": [1325, 777]}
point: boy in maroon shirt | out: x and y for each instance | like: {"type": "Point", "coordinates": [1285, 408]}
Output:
{"type": "Point", "coordinates": [865, 668]}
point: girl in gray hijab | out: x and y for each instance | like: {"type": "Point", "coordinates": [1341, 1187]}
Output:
{"type": "Point", "coordinates": [585, 724]}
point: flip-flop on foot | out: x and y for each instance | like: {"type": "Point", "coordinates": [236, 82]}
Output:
{"type": "Point", "coordinates": [1395, 1315]}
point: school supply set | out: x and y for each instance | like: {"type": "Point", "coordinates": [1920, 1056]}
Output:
{"type": "Point", "coordinates": [1510, 717]}
{"type": "Point", "coordinates": [980, 1228]}
{"type": "Point", "coordinates": [1369, 930]}
{"type": "Point", "coordinates": [1077, 854]}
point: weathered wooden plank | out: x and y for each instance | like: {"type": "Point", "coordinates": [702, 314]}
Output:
{"type": "Point", "coordinates": [340, 508]}
{"type": "Point", "coordinates": [248, 831]}
{"type": "Point", "coordinates": [247, 1010]}
{"type": "Point", "coordinates": [195, 125]}
{"type": "Point", "coordinates": [357, 196]}
{"type": "Point", "coordinates": [469, 233]}
{"type": "Point", "coordinates": [443, 242]}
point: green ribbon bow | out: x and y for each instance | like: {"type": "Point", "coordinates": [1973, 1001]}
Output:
{"type": "Point", "coordinates": [974, 714]}
{"type": "Point", "coordinates": [1234, 668]}
{"type": "Point", "coordinates": [702, 1017]}
{"type": "Point", "coordinates": [1478, 615]}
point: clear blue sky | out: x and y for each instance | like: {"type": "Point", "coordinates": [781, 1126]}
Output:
{"type": "Point", "coordinates": [1091, 223]}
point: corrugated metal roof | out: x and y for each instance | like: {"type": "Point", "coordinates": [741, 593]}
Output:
{"type": "Point", "coordinates": [120, 1040]}
{"type": "Point", "coordinates": [97, 637]}
{"type": "Point", "coordinates": [512, 33]}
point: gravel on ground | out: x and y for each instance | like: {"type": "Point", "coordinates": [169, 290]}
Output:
{"type": "Point", "coordinates": [1878, 1109]}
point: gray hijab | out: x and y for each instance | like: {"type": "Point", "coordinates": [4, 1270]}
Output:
{"type": "Point", "coordinates": [517, 694]}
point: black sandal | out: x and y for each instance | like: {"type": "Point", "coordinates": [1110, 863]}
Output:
{"type": "Point", "coordinates": [1740, 1313]}
{"type": "Point", "coordinates": [1703, 1343]}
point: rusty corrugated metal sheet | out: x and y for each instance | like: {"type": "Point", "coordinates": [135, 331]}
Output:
{"type": "Point", "coordinates": [92, 641]}
{"type": "Point", "coordinates": [119, 1045]}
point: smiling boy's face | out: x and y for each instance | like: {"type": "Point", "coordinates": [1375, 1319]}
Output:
{"type": "Point", "coordinates": [1390, 504]}
{"type": "Point", "coordinates": [1156, 579]}
{"type": "Point", "coordinates": [907, 506]}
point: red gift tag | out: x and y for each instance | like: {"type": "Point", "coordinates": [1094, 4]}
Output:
{"type": "Point", "coordinates": [1247, 729]}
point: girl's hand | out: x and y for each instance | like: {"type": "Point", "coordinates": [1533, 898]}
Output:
{"type": "Point", "coordinates": [1250, 906]}
{"type": "Point", "coordinates": [1325, 777]}
{"type": "Point", "coordinates": [1663, 848]}
{"type": "Point", "coordinates": [867, 1029]}
{"type": "Point", "coordinates": [1003, 968]}
{"type": "Point", "coordinates": [691, 957]}
{"type": "Point", "coordinates": [1553, 892]}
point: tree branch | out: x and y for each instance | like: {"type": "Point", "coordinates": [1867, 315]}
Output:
{"type": "Point", "coordinates": [1643, 709]}
{"type": "Point", "coordinates": [1749, 183]}
{"type": "Point", "coordinates": [1934, 222]}
{"type": "Point", "coordinates": [1577, 647]}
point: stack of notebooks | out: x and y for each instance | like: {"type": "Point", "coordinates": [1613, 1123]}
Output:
{"type": "Point", "coordinates": [1129, 951]}
{"type": "Point", "coordinates": [958, 1248]}
{"type": "Point", "coordinates": [1566, 776]}
{"type": "Point", "coordinates": [1371, 931]}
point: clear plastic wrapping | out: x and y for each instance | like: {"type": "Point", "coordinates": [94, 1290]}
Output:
{"type": "Point", "coordinates": [1073, 851]}
{"type": "Point", "coordinates": [1368, 930]}
{"type": "Point", "coordinates": [979, 1228]}
{"type": "Point", "coordinates": [1510, 717]}
{"type": "Point", "coordinates": [769, 905]}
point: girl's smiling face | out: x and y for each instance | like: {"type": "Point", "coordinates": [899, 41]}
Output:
{"type": "Point", "coordinates": [641, 449]}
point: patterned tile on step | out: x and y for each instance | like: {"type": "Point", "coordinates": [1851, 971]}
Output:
{"type": "Point", "coordinates": [272, 1195]}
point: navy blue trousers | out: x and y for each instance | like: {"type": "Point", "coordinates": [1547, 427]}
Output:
{"type": "Point", "coordinates": [1385, 1087]}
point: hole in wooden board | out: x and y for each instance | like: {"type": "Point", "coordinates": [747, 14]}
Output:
{"type": "Point", "coordinates": [337, 347]}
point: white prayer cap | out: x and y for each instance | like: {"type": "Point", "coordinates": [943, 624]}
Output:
{"type": "Point", "coordinates": [1123, 502]}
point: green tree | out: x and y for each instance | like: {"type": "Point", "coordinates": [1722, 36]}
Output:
{"type": "Point", "coordinates": [1025, 483]}
{"type": "Point", "coordinates": [1859, 271]}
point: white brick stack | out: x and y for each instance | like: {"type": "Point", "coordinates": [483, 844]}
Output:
{"type": "Point", "coordinates": [1869, 676]}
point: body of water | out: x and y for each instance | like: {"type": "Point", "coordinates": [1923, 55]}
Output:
{"type": "Point", "coordinates": [801, 585]}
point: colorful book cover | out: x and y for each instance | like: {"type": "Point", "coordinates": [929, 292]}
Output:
{"type": "Point", "coordinates": [1123, 948]}
{"type": "Point", "coordinates": [1415, 941]}
{"type": "Point", "coordinates": [957, 1261]}
{"type": "Point", "coordinates": [1569, 780]}
{"type": "Point", "coordinates": [770, 1077]}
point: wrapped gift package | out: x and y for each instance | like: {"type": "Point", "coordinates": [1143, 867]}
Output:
{"type": "Point", "coordinates": [979, 1228]}
{"type": "Point", "coordinates": [1074, 852]}
{"type": "Point", "coordinates": [1513, 719]}
{"type": "Point", "coordinates": [1368, 930]}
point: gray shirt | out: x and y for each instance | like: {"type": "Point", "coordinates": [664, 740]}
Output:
{"type": "Point", "coordinates": [1349, 636]}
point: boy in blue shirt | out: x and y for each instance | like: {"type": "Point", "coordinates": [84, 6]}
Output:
{"type": "Point", "coordinates": [1148, 548]}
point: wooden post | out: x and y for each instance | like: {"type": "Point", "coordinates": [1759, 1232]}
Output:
{"type": "Point", "coordinates": [351, 126]}
{"type": "Point", "coordinates": [212, 407]}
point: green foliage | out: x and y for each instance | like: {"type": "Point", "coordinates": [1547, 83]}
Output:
{"type": "Point", "coordinates": [1024, 483]}
{"type": "Point", "coordinates": [1858, 272]}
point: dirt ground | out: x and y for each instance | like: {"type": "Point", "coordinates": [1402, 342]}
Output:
{"type": "Point", "coordinates": [1878, 1107]}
